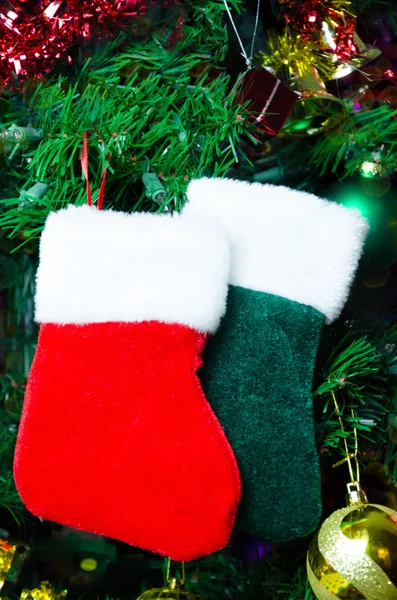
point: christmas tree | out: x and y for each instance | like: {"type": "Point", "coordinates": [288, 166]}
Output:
{"type": "Point", "coordinates": [125, 103]}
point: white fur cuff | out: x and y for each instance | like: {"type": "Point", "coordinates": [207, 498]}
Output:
{"type": "Point", "coordinates": [285, 242]}
{"type": "Point", "coordinates": [100, 266]}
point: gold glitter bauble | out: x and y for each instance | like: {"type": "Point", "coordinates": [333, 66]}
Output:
{"type": "Point", "coordinates": [44, 592]}
{"type": "Point", "coordinates": [354, 555]}
{"type": "Point", "coordinates": [7, 552]}
{"type": "Point", "coordinates": [174, 590]}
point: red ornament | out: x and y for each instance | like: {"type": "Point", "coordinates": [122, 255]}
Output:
{"type": "Point", "coordinates": [270, 102]}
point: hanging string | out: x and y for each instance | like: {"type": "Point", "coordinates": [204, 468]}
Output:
{"type": "Point", "coordinates": [102, 188]}
{"type": "Point", "coordinates": [248, 59]}
{"type": "Point", "coordinates": [349, 455]}
{"type": "Point", "coordinates": [84, 166]}
{"type": "Point", "coordinates": [255, 31]}
{"type": "Point", "coordinates": [169, 571]}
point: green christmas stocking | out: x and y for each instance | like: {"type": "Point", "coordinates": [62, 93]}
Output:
{"type": "Point", "coordinates": [293, 258]}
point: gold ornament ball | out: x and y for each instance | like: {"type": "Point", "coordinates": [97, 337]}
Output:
{"type": "Point", "coordinates": [174, 590]}
{"type": "Point", "coordinates": [354, 555]}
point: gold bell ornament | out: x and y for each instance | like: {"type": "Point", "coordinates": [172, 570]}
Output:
{"type": "Point", "coordinates": [331, 24]}
{"type": "Point", "coordinates": [174, 588]}
{"type": "Point", "coordinates": [44, 592]}
{"type": "Point", "coordinates": [348, 50]}
{"type": "Point", "coordinates": [300, 64]}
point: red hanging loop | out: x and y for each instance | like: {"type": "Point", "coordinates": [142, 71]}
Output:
{"type": "Point", "coordinates": [102, 189]}
{"type": "Point", "coordinates": [84, 166]}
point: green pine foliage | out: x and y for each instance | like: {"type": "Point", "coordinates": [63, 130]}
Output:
{"type": "Point", "coordinates": [17, 346]}
{"type": "Point", "coordinates": [143, 107]}
{"type": "Point", "coordinates": [356, 140]}
{"type": "Point", "coordinates": [358, 372]}
{"type": "Point", "coordinates": [9, 498]}
{"type": "Point", "coordinates": [144, 125]}
{"type": "Point", "coordinates": [220, 575]}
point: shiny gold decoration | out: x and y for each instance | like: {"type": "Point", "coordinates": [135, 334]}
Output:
{"type": "Point", "coordinates": [353, 489]}
{"type": "Point", "coordinates": [302, 66]}
{"type": "Point", "coordinates": [336, 584]}
{"type": "Point", "coordinates": [7, 552]}
{"type": "Point", "coordinates": [364, 55]}
{"type": "Point", "coordinates": [44, 592]}
{"type": "Point", "coordinates": [330, 26]}
{"type": "Point", "coordinates": [290, 56]}
{"type": "Point", "coordinates": [354, 555]}
{"type": "Point", "coordinates": [173, 590]}
{"type": "Point", "coordinates": [316, 111]}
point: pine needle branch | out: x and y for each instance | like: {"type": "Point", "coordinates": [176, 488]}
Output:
{"type": "Point", "coordinates": [358, 372]}
{"type": "Point", "coordinates": [355, 141]}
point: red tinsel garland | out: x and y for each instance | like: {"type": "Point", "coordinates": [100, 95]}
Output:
{"type": "Point", "coordinates": [34, 35]}
{"type": "Point", "coordinates": [310, 17]}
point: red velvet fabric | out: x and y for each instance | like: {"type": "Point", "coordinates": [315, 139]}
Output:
{"type": "Point", "coordinates": [117, 438]}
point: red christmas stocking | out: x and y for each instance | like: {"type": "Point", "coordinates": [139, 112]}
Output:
{"type": "Point", "coordinates": [116, 436]}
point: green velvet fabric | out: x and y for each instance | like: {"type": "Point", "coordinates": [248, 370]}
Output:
{"type": "Point", "coordinates": [257, 375]}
